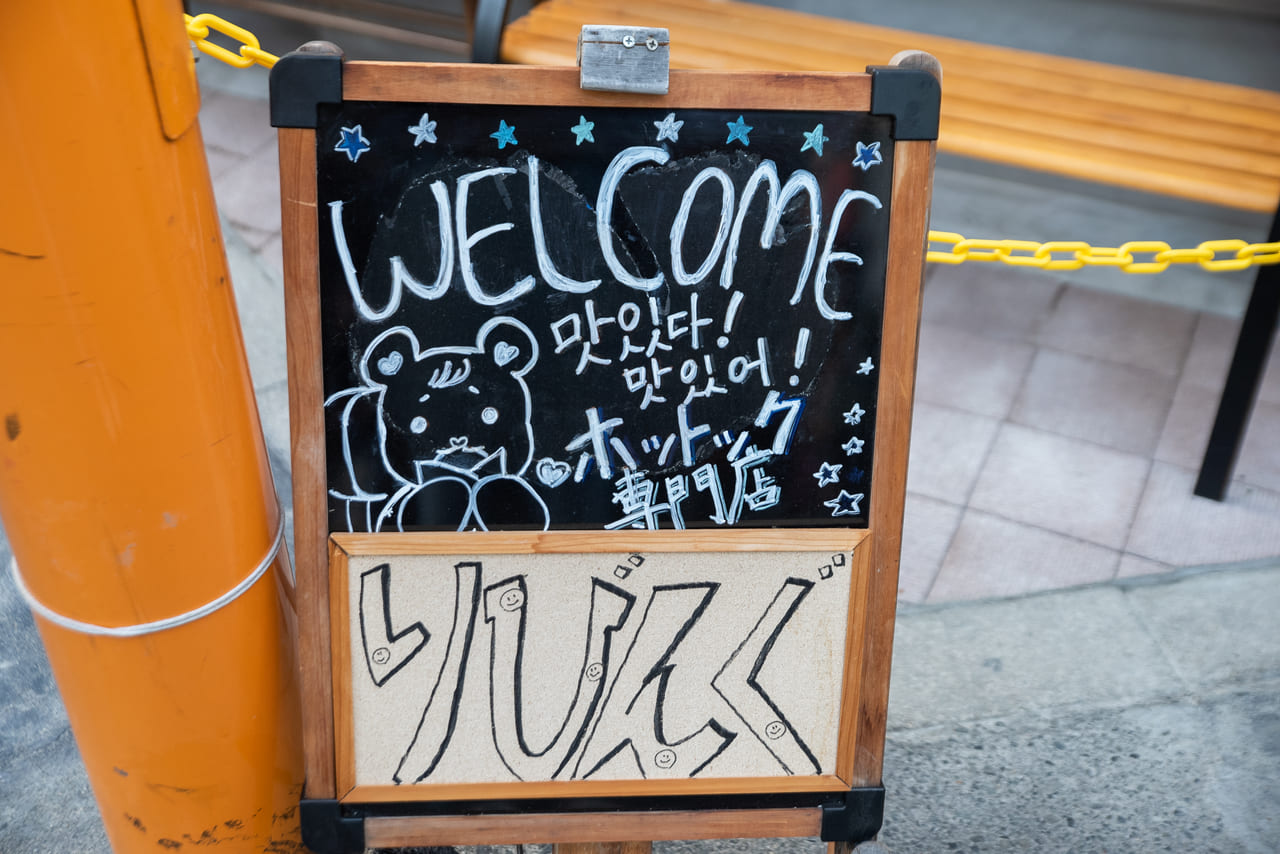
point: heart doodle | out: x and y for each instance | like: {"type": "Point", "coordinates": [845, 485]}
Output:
{"type": "Point", "coordinates": [390, 364]}
{"type": "Point", "coordinates": [552, 472]}
{"type": "Point", "coordinates": [504, 353]}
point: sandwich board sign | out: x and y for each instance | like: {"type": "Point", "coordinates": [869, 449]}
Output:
{"type": "Point", "coordinates": [600, 406]}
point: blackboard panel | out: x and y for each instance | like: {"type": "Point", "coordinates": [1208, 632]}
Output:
{"type": "Point", "coordinates": [530, 319]}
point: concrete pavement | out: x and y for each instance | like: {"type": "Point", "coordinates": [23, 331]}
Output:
{"type": "Point", "coordinates": [1134, 716]}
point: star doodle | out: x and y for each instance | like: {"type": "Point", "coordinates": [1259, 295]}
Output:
{"type": "Point", "coordinates": [853, 446]}
{"type": "Point", "coordinates": [868, 155]}
{"type": "Point", "coordinates": [423, 131]}
{"type": "Point", "coordinates": [828, 473]}
{"type": "Point", "coordinates": [353, 143]}
{"type": "Point", "coordinates": [854, 416]}
{"type": "Point", "coordinates": [669, 128]}
{"type": "Point", "coordinates": [738, 130]}
{"type": "Point", "coordinates": [813, 140]}
{"type": "Point", "coordinates": [845, 504]}
{"type": "Point", "coordinates": [582, 130]}
{"type": "Point", "coordinates": [866, 367]}
{"type": "Point", "coordinates": [505, 134]}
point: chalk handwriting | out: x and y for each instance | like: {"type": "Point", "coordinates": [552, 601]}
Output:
{"type": "Point", "coordinates": [727, 233]}
{"type": "Point", "coordinates": [521, 334]}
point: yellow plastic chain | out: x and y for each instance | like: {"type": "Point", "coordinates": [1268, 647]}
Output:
{"type": "Point", "coordinates": [1070, 254]}
{"type": "Point", "coordinates": [251, 53]}
{"type": "Point", "coordinates": [1128, 258]}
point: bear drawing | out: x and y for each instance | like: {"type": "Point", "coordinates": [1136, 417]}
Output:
{"type": "Point", "coordinates": [453, 428]}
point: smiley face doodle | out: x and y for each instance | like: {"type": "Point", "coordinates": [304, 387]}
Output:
{"type": "Point", "coordinates": [775, 729]}
{"type": "Point", "coordinates": [511, 600]}
{"type": "Point", "coordinates": [665, 758]}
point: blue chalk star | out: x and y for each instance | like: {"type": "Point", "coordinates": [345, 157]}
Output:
{"type": "Point", "coordinates": [423, 131]}
{"type": "Point", "coordinates": [853, 446]}
{"type": "Point", "coordinates": [866, 366]}
{"type": "Point", "coordinates": [854, 416]}
{"type": "Point", "coordinates": [505, 134]}
{"type": "Point", "coordinates": [738, 130]}
{"type": "Point", "coordinates": [868, 156]}
{"type": "Point", "coordinates": [813, 140]}
{"type": "Point", "coordinates": [582, 130]}
{"type": "Point", "coordinates": [844, 504]}
{"type": "Point", "coordinates": [669, 128]}
{"type": "Point", "coordinates": [828, 473]}
{"type": "Point", "coordinates": [353, 143]}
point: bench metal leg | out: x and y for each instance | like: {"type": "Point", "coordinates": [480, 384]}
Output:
{"type": "Point", "coordinates": [1243, 378]}
{"type": "Point", "coordinates": [486, 31]}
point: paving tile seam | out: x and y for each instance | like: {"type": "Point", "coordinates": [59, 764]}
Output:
{"type": "Point", "coordinates": [986, 458]}
{"type": "Point", "coordinates": [1008, 421]}
{"type": "Point", "coordinates": [1183, 573]}
{"type": "Point", "coordinates": [1236, 482]}
{"type": "Point", "coordinates": [1042, 714]}
{"type": "Point", "coordinates": [1198, 697]}
{"type": "Point", "coordinates": [1133, 516]}
{"type": "Point", "coordinates": [269, 142]}
{"type": "Point", "coordinates": [1074, 538]}
{"type": "Point", "coordinates": [1113, 363]}
{"type": "Point", "coordinates": [908, 610]}
{"type": "Point", "coordinates": [1141, 617]}
{"type": "Point", "coordinates": [968, 498]}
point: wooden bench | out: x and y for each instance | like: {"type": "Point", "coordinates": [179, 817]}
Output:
{"type": "Point", "coordinates": [1160, 133]}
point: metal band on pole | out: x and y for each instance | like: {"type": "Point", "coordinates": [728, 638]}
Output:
{"type": "Point", "coordinates": [140, 629]}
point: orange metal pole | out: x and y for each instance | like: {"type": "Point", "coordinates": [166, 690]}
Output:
{"type": "Point", "coordinates": [134, 485]}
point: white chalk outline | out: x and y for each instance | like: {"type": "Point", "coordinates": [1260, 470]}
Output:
{"type": "Point", "coordinates": [400, 277]}
{"type": "Point", "coordinates": [839, 503]}
{"type": "Point", "coordinates": [625, 160]}
{"type": "Point", "coordinates": [828, 473]}
{"type": "Point", "coordinates": [423, 131]}
{"type": "Point", "coordinates": [470, 479]}
{"type": "Point", "coordinates": [669, 128]}
{"type": "Point", "coordinates": [681, 222]}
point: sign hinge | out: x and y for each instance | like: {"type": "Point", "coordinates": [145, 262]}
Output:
{"type": "Point", "coordinates": [624, 59]}
{"type": "Point", "coordinates": [856, 817]}
{"type": "Point", "coordinates": [327, 829]}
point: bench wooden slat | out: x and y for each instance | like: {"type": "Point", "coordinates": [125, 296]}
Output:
{"type": "Point", "coordinates": [1192, 147]}
{"type": "Point", "coordinates": [736, 38]}
{"type": "Point", "coordinates": [806, 31]}
{"type": "Point", "coordinates": [1076, 112]}
{"type": "Point", "coordinates": [1156, 132]}
{"type": "Point", "coordinates": [1150, 173]}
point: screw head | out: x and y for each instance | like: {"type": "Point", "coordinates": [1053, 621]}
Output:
{"type": "Point", "coordinates": [628, 41]}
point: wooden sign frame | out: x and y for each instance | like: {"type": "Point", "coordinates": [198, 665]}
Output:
{"type": "Point", "coordinates": [846, 805]}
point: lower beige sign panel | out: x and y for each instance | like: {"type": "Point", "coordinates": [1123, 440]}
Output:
{"type": "Point", "coordinates": [633, 665]}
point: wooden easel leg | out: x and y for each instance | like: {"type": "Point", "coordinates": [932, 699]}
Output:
{"type": "Point", "coordinates": [1243, 378]}
{"type": "Point", "coordinates": [604, 848]}
{"type": "Point", "coordinates": [868, 847]}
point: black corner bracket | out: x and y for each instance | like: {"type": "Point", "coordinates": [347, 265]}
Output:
{"type": "Point", "coordinates": [325, 830]}
{"type": "Point", "coordinates": [912, 96]}
{"type": "Point", "coordinates": [856, 817]}
{"type": "Point", "coordinates": [302, 79]}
